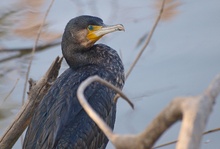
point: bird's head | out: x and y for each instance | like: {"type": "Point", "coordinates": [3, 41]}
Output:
{"type": "Point", "coordinates": [86, 30]}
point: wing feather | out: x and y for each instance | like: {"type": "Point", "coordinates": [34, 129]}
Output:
{"type": "Point", "coordinates": [59, 113]}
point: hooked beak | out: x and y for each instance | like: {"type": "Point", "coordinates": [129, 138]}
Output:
{"type": "Point", "coordinates": [96, 32]}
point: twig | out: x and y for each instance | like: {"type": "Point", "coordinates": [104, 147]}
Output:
{"type": "Point", "coordinates": [211, 131]}
{"type": "Point", "coordinates": [29, 49]}
{"type": "Point", "coordinates": [11, 90]}
{"type": "Point", "coordinates": [34, 48]}
{"type": "Point", "coordinates": [98, 120]}
{"type": "Point", "coordinates": [23, 118]}
{"type": "Point", "coordinates": [166, 144]}
{"type": "Point", "coordinates": [172, 142]}
{"type": "Point", "coordinates": [145, 45]}
{"type": "Point", "coordinates": [25, 51]}
{"type": "Point", "coordinates": [147, 40]}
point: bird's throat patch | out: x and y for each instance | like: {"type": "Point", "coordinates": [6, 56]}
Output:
{"type": "Point", "coordinates": [93, 33]}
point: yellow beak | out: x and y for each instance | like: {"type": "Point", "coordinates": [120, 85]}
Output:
{"type": "Point", "coordinates": [96, 32]}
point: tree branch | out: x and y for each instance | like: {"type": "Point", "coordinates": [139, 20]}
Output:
{"type": "Point", "coordinates": [80, 94]}
{"type": "Point", "coordinates": [145, 45]}
{"type": "Point", "coordinates": [194, 112]}
{"type": "Point", "coordinates": [172, 142]}
{"type": "Point", "coordinates": [36, 94]}
{"type": "Point", "coordinates": [147, 40]}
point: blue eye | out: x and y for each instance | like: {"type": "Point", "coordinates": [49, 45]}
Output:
{"type": "Point", "coordinates": [90, 27]}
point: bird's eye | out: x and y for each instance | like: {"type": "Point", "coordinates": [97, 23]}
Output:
{"type": "Point", "coordinates": [90, 27]}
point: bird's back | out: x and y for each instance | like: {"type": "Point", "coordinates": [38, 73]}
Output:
{"type": "Point", "coordinates": [60, 121]}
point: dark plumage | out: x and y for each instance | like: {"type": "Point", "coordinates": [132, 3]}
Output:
{"type": "Point", "coordinates": [59, 120]}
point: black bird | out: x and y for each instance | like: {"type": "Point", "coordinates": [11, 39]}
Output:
{"type": "Point", "coordinates": [59, 120]}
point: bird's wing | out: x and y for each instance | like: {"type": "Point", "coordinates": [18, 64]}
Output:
{"type": "Point", "coordinates": [85, 133]}
{"type": "Point", "coordinates": [57, 108]}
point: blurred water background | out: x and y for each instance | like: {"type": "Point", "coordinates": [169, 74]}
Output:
{"type": "Point", "coordinates": [181, 60]}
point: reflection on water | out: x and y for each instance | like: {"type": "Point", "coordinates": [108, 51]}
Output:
{"type": "Point", "coordinates": [184, 54]}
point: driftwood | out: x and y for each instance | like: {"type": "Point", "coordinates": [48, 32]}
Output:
{"type": "Point", "coordinates": [35, 95]}
{"type": "Point", "coordinates": [194, 112]}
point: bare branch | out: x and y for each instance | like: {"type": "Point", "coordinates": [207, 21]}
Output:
{"type": "Point", "coordinates": [25, 51]}
{"type": "Point", "coordinates": [145, 45]}
{"type": "Point", "coordinates": [211, 131]}
{"type": "Point", "coordinates": [80, 94]}
{"type": "Point", "coordinates": [147, 40]}
{"type": "Point", "coordinates": [29, 49]}
{"type": "Point", "coordinates": [193, 111]}
{"type": "Point", "coordinates": [196, 112]}
{"type": "Point", "coordinates": [172, 142]}
{"type": "Point", "coordinates": [34, 48]}
{"type": "Point", "coordinates": [23, 118]}
{"type": "Point", "coordinates": [166, 144]}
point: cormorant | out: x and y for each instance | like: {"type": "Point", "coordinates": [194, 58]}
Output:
{"type": "Point", "coordinates": [59, 120]}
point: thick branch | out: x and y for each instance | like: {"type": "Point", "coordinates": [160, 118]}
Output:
{"type": "Point", "coordinates": [36, 93]}
{"type": "Point", "coordinates": [161, 123]}
{"type": "Point", "coordinates": [194, 112]}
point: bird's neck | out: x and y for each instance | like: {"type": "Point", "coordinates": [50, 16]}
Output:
{"type": "Point", "coordinates": [100, 55]}
{"type": "Point", "coordinates": [78, 56]}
